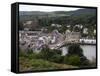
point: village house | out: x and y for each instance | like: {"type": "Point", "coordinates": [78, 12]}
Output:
{"type": "Point", "coordinates": [35, 40]}
{"type": "Point", "coordinates": [56, 25]}
{"type": "Point", "coordinates": [85, 30]}
{"type": "Point", "coordinates": [72, 37]}
{"type": "Point", "coordinates": [31, 24]}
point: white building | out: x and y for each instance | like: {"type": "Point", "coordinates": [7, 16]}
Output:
{"type": "Point", "coordinates": [88, 41]}
{"type": "Point", "coordinates": [85, 30]}
{"type": "Point", "coordinates": [72, 37]}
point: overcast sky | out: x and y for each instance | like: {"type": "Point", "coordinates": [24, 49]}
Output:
{"type": "Point", "coordinates": [45, 8]}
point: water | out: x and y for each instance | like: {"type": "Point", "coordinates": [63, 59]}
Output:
{"type": "Point", "coordinates": [88, 50]}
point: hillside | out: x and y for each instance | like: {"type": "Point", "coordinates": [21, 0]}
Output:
{"type": "Point", "coordinates": [39, 64]}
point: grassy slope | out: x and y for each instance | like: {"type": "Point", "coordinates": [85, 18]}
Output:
{"type": "Point", "coordinates": [26, 64]}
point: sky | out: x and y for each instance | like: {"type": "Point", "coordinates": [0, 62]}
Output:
{"type": "Point", "coordinates": [45, 8]}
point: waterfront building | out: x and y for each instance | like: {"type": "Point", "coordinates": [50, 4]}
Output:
{"type": "Point", "coordinates": [72, 37]}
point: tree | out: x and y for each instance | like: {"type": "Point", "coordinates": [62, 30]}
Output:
{"type": "Point", "coordinates": [51, 55]}
{"type": "Point", "coordinates": [75, 49]}
{"type": "Point", "coordinates": [75, 56]}
{"type": "Point", "coordinates": [57, 58]}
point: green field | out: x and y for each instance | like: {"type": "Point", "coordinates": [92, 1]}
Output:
{"type": "Point", "coordinates": [26, 64]}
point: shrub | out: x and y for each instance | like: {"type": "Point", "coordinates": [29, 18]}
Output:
{"type": "Point", "coordinates": [29, 51]}
{"type": "Point", "coordinates": [57, 51]}
{"type": "Point", "coordinates": [29, 54]}
{"type": "Point", "coordinates": [57, 59]}
{"type": "Point", "coordinates": [33, 55]}
{"type": "Point", "coordinates": [47, 53]}
{"type": "Point", "coordinates": [72, 60]}
{"type": "Point", "coordinates": [84, 62]}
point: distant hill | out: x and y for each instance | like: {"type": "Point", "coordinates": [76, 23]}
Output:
{"type": "Point", "coordinates": [40, 14]}
{"type": "Point", "coordinates": [84, 11]}
{"type": "Point", "coordinates": [32, 13]}
{"type": "Point", "coordinates": [80, 11]}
